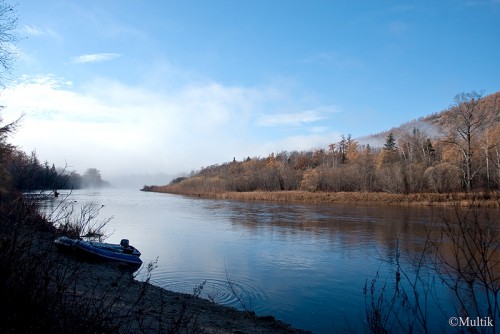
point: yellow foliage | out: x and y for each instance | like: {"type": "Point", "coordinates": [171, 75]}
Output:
{"type": "Point", "coordinates": [310, 180]}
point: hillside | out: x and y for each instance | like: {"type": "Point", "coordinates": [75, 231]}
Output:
{"type": "Point", "coordinates": [431, 124]}
{"type": "Point", "coordinates": [453, 151]}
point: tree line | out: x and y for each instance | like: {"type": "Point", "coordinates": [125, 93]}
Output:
{"type": "Point", "coordinates": [464, 155]}
{"type": "Point", "coordinates": [25, 172]}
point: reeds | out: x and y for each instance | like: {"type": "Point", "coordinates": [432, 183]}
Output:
{"type": "Point", "coordinates": [486, 199]}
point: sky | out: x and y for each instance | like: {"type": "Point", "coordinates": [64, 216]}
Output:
{"type": "Point", "coordinates": [148, 87]}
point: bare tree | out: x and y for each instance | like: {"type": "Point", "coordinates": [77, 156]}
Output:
{"type": "Point", "coordinates": [463, 122]}
{"type": "Point", "coordinates": [8, 36]}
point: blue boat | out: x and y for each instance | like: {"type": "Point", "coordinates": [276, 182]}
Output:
{"type": "Point", "coordinates": [122, 252]}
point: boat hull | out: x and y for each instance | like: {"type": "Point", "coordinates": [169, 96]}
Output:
{"type": "Point", "coordinates": [104, 251]}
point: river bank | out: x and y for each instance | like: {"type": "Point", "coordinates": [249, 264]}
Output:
{"type": "Point", "coordinates": [107, 295]}
{"type": "Point", "coordinates": [140, 307]}
{"type": "Point", "coordinates": [54, 290]}
{"type": "Point", "coordinates": [490, 199]}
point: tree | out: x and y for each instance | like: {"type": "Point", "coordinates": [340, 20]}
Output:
{"type": "Point", "coordinates": [493, 142]}
{"type": "Point", "coordinates": [8, 36]}
{"type": "Point", "coordinates": [416, 147]}
{"type": "Point", "coordinates": [462, 124]}
{"type": "Point", "coordinates": [342, 149]}
{"type": "Point", "coordinates": [92, 178]}
{"type": "Point", "coordinates": [352, 150]}
{"type": "Point", "coordinates": [8, 24]}
{"type": "Point", "coordinates": [389, 154]}
{"type": "Point", "coordinates": [429, 152]}
{"type": "Point", "coordinates": [390, 143]}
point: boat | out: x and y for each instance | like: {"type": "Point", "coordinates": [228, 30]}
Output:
{"type": "Point", "coordinates": [122, 252]}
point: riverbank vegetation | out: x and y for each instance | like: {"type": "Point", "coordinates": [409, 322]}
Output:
{"type": "Point", "coordinates": [443, 157]}
{"type": "Point", "coordinates": [24, 172]}
{"type": "Point", "coordinates": [27, 173]}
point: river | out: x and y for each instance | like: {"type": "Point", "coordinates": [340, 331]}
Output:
{"type": "Point", "coordinates": [304, 264]}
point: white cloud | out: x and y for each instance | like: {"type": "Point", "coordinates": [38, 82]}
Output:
{"type": "Point", "coordinates": [94, 58]}
{"type": "Point", "coordinates": [298, 118]}
{"type": "Point", "coordinates": [32, 30]}
{"type": "Point", "coordinates": [123, 129]}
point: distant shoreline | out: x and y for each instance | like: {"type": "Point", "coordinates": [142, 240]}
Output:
{"type": "Point", "coordinates": [491, 199]}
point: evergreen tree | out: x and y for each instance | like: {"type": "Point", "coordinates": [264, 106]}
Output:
{"type": "Point", "coordinates": [390, 143]}
{"type": "Point", "coordinates": [389, 153]}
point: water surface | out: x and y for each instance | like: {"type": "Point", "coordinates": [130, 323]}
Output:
{"type": "Point", "coordinates": [305, 264]}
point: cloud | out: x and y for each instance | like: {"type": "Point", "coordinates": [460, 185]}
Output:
{"type": "Point", "coordinates": [32, 30]}
{"type": "Point", "coordinates": [303, 142]}
{"type": "Point", "coordinates": [298, 118]}
{"type": "Point", "coordinates": [123, 129]}
{"type": "Point", "coordinates": [94, 58]}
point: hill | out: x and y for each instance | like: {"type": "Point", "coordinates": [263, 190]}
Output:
{"type": "Point", "coordinates": [452, 151]}
{"type": "Point", "coordinates": [432, 124]}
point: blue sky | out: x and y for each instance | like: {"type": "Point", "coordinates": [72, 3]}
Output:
{"type": "Point", "coordinates": [129, 86]}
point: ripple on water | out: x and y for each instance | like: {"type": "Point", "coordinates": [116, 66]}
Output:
{"type": "Point", "coordinates": [241, 293]}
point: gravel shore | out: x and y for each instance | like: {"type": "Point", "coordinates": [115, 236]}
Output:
{"type": "Point", "coordinates": [140, 307]}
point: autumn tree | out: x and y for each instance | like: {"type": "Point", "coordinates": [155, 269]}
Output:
{"type": "Point", "coordinates": [417, 154]}
{"type": "Point", "coordinates": [342, 147]}
{"type": "Point", "coordinates": [492, 154]}
{"type": "Point", "coordinates": [462, 124]}
{"type": "Point", "coordinates": [352, 149]}
{"type": "Point", "coordinates": [416, 147]}
{"type": "Point", "coordinates": [367, 168]}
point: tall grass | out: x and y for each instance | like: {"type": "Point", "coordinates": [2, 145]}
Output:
{"type": "Point", "coordinates": [489, 199]}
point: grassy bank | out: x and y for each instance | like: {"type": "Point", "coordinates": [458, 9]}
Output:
{"type": "Point", "coordinates": [490, 199]}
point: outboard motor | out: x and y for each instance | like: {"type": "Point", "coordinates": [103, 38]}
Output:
{"type": "Point", "coordinates": [124, 243]}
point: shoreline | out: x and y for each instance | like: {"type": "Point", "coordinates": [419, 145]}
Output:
{"type": "Point", "coordinates": [164, 310]}
{"type": "Point", "coordinates": [491, 199]}
{"type": "Point", "coordinates": [135, 306]}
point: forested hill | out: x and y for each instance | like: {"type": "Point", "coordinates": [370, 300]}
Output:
{"type": "Point", "coordinates": [432, 124]}
{"type": "Point", "coordinates": [455, 150]}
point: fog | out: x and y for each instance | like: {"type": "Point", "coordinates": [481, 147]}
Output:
{"type": "Point", "coordinates": [139, 133]}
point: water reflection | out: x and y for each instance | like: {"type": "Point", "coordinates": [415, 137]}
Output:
{"type": "Point", "coordinates": [351, 226]}
{"type": "Point", "coordinates": [305, 264]}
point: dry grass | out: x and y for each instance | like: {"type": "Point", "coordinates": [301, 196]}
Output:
{"type": "Point", "coordinates": [491, 199]}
